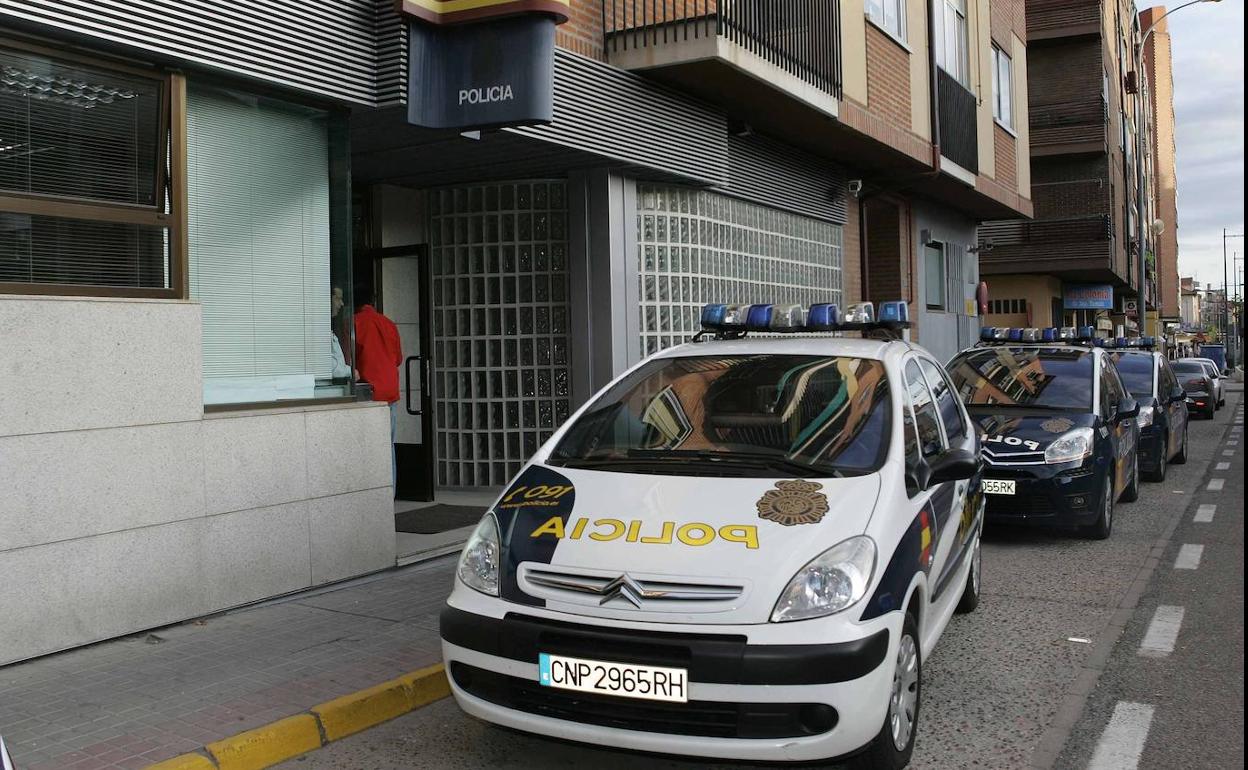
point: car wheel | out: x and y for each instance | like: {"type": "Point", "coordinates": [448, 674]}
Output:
{"type": "Point", "coordinates": [892, 747]}
{"type": "Point", "coordinates": [1209, 410]}
{"type": "Point", "coordinates": [1104, 524]}
{"type": "Point", "coordinates": [1132, 491]}
{"type": "Point", "coordinates": [1180, 457]}
{"type": "Point", "coordinates": [1162, 451]}
{"type": "Point", "coordinates": [970, 594]}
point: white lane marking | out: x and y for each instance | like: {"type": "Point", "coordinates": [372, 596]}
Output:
{"type": "Point", "coordinates": [1189, 556]}
{"type": "Point", "coordinates": [1204, 514]}
{"type": "Point", "coordinates": [1228, 452]}
{"type": "Point", "coordinates": [1222, 467]}
{"type": "Point", "coordinates": [1163, 632]}
{"type": "Point", "coordinates": [1215, 485]}
{"type": "Point", "coordinates": [1122, 743]}
{"type": "Point", "coordinates": [1232, 443]}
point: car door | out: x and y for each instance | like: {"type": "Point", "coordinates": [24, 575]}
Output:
{"type": "Point", "coordinates": [1121, 431]}
{"type": "Point", "coordinates": [956, 504]}
{"type": "Point", "coordinates": [1171, 398]}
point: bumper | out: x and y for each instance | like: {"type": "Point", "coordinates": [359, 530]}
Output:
{"type": "Point", "coordinates": [785, 702]}
{"type": "Point", "coordinates": [1046, 495]}
{"type": "Point", "coordinates": [1201, 402]}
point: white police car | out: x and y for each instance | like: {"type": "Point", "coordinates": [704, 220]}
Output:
{"type": "Point", "coordinates": [744, 547]}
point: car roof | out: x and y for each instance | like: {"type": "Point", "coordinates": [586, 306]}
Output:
{"type": "Point", "coordinates": [796, 345]}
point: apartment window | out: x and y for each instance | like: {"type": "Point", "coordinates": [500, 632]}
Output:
{"type": "Point", "coordinates": [1007, 306]}
{"type": "Point", "coordinates": [1002, 88]}
{"type": "Point", "coordinates": [952, 53]}
{"type": "Point", "coordinates": [268, 258]}
{"type": "Point", "coordinates": [934, 276]}
{"type": "Point", "coordinates": [889, 15]}
{"type": "Point", "coordinates": [84, 205]}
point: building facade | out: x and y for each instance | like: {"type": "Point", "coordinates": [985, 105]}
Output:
{"type": "Point", "coordinates": [1164, 177]}
{"type": "Point", "coordinates": [1075, 263]}
{"type": "Point", "coordinates": [196, 441]}
{"type": "Point", "coordinates": [1190, 308]}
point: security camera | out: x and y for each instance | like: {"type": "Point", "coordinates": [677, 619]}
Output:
{"type": "Point", "coordinates": [855, 187]}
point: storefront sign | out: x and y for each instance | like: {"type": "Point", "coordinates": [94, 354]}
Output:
{"type": "Point", "coordinates": [476, 64]}
{"type": "Point", "coordinates": [1087, 297]}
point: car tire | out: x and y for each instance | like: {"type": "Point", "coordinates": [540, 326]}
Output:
{"type": "Point", "coordinates": [970, 594]}
{"type": "Point", "coordinates": [1131, 492]}
{"type": "Point", "coordinates": [1104, 524]}
{"type": "Point", "coordinates": [905, 695]}
{"type": "Point", "coordinates": [1160, 473]}
{"type": "Point", "coordinates": [1180, 457]}
{"type": "Point", "coordinates": [1209, 412]}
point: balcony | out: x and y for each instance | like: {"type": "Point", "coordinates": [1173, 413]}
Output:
{"type": "Point", "coordinates": [1049, 19]}
{"type": "Point", "coordinates": [774, 59]}
{"type": "Point", "coordinates": [1065, 128]}
{"type": "Point", "coordinates": [1078, 248]}
{"type": "Point", "coordinates": [959, 124]}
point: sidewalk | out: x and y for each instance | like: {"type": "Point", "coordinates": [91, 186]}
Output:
{"type": "Point", "coordinates": [130, 702]}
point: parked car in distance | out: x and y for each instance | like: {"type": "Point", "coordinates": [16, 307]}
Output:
{"type": "Point", "coordinates": [1057, 425]}
{"type": "Point", "coordinates": [1219, 380]}
{"type": "Point", "coordinates": [1151, 381]}
{"type": "Point", "coordinates": [1198, 383]}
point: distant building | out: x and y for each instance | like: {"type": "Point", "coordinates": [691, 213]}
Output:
{"type": "Point", "coordinates": [1189, 309]}
{"type": "Point", "coordinates": [1160, 77]}
{"type": "Point", "coordinates": [1076, 262]}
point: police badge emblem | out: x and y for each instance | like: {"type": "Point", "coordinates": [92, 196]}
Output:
{"type": "Point", "coordinates": [1057, 425]}
{"type": "Point", "coordinates": [793, 502]}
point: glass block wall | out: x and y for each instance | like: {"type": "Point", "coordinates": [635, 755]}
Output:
{"type": "Point", "coordinates": [500, 326]}
{"type": "Point", "coordinates": [696, 247]}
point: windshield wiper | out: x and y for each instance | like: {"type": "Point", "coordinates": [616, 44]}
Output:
{"type": "Point", "coordinates": [751, 459]}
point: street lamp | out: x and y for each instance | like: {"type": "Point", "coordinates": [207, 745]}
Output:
{"type": "Point", "coordinates": [1140, 200]}
{"type": "Point", "coordinates": [1226, 314]}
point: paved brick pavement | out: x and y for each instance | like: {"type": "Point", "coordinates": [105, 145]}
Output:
{"type": "Point", "coordinates": [137, 700]}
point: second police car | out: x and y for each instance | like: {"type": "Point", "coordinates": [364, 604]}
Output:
{"type": "Point", "coordinates": [1151, 380]}
{"type": "Point", "coordinates": [1058, 427]}
{"type": "Point", "coordinates": [744, 547]}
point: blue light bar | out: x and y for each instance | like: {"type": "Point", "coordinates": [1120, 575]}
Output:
{"type": "Point", "coordinates": [1049, 335]}
{"type": "Point", "coordinates": [758, 318]}
{"type": "Point", "coordinates": [1148, 342]}
{"type": "Point", "coordinates": [713, 315]}
{"type": "Point", "coordinates": [860, 313]}
{"type": "Point", "coordinates": [1086, 333]}
{"type": "Point", "coordinates": [1120, 342]}
{"type": "Point", "coordinates": [988, 333]}
{"type": "Point", "coordinates": [894, 312]}
{"type": "Point", "coordinates": [1016, 335]}
{"type": "Point", "coordinates": [823, 316]}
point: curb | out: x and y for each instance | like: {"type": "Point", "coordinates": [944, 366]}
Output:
{"type": "Point", "coordinates": [333, 720]}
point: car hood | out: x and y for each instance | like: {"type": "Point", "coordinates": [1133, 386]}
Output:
{"type": "Point", "coordinates": [1018, 435]}
{"type": "Point", "coordinates": [677, 549]}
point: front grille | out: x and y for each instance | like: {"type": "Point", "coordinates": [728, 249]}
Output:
{"type": "Point", "coordinates": [1019, 505]}
{"type": "Point", "coordinates": [713, 719]}
{"type": "Point", "coordinates": [1012, 458]}
{"type": "Point", "coordinates": [599, 587]}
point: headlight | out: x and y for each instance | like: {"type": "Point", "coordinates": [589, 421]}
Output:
{"type": "Point", "coordinates": [1075, 445]}
{"type": "Point", "coordinates": [478, 564]}
{"type": "Point", "coordinates": [1145, 418]}
{"type": "Point", "coordinates": [834, 581]}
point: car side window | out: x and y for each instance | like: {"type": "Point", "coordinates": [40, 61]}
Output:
{"type": "Point", "coordinates": [946, 401]}
{"type": "Point", "coordinates": [1112, 390]}
{"type": "Point", "coordinates": [1107, 400]}
{"type": "Point", "coordinates": [1167, 382]}
{"type": "Point", "coordinates": [926, 418]}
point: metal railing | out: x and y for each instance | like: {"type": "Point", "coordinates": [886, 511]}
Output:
{"type": "Point", "coordinates": [802, 37]}
{"type": "Point", "coordinates": [959, 124]}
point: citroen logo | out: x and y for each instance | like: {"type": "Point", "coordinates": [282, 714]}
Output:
{"type": "Point", "coordinates": [626, 588]}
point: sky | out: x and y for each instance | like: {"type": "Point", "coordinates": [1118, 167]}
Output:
{"type": "Point", "coordinates": [1208, 46]}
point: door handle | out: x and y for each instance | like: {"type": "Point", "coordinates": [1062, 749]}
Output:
{"type": "Point", "coordinates": [407, 395]}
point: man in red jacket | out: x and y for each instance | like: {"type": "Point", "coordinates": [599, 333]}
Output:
{"type": "Point", "coordinates": [378, 355]}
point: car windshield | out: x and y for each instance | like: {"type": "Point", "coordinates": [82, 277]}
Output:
{"type": "Point", "coordinates": [741, 415]}
{"type": "Point", "coordinates": [1210, 369]}
{"type": "Point", "coordinates": [1136, 371]}
{"type": "Point", "coordinates": [1046, 378]}
{"type": "Point", "coordinates": [1188, 367]}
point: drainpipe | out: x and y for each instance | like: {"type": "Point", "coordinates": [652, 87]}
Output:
{"type": "Point", "coordinates": [864, 280]}
{"type": "Point", "coordinates": [933, 91]}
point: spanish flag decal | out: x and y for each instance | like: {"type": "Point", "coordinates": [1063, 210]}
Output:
{"type": "Point", "coordinates": [460, 11]}
{"type": "Point", "coordinates": [925, 539]}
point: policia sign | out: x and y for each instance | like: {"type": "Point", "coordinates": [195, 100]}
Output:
{"type": "Point", "coordinates": [481, 63]}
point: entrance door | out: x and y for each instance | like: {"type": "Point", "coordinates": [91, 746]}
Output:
{"type": "Point", "coordinates": [402, 276]}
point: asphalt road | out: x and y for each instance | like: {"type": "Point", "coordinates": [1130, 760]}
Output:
{"type": "Point", "coordinates": [1031, 678]}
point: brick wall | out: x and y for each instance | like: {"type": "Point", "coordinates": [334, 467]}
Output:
{"type": "Point", "coordinates": [1005, 149]}
{"type": "Point", "coordinates": [851, 254]}
{"type": "Point", "coordinates": [888, 77]}
{"type": "Point", "coordinates": [582, 33]}
{"type": "Point", "coordinates": [1070, 186]}
{"type": "Point", "coordinates": [1066, 70]}
{"type": "Point", "coordinates": [890, 262]}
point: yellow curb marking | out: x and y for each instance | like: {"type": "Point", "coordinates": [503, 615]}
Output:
{"type": "Point", "coordinates": [286, 738]}
{"type": "Point", "coordinates": [185, 762]}
{"type": "Point", "coordinates": [266, 746]}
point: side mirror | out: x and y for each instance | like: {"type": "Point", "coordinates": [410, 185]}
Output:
{"type": "Point", "coordinates": [1128, 408]}
{"type": "Point", "coordinates": [1178, 395]}
{"type": "Point", "coordinates": [954, 465]}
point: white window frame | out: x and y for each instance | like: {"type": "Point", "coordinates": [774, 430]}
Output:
{"type": "Point", "coordinates": [1002, 87]}
{"type": "Point", "coordinates": [888, 15]}
{"type": "Point", "coordinates": [929, 284]}
{"type": "Point", "coordinates": [952, 46]}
